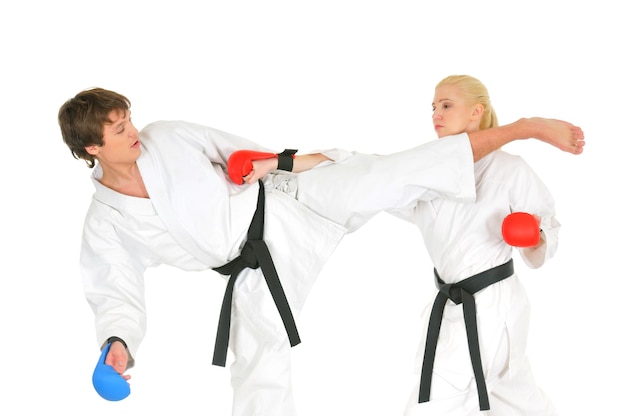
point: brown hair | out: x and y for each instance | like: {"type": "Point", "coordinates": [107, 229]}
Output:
{"type": "Point", "coordinates": [83, 117]}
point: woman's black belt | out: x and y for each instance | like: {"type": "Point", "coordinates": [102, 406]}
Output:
{"type": "Point", "coordinates": [461, 292]}
{"type": "Point", "coordinates": [254, 254]}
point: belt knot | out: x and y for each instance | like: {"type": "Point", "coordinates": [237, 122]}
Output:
{"type": "Point", "coordinates": [453, 292]}
{"type": "Point", "coordinates": [248, 255]}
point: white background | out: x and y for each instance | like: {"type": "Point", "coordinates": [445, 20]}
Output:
{"type": "Point", "coordinates": [318, 74]}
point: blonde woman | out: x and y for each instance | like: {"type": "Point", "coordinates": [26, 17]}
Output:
{"type": "Point", "coordinates": [473, 355]}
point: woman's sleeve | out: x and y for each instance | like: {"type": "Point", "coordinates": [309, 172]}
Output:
{"type": "Point", "coordinates": [531, 195]}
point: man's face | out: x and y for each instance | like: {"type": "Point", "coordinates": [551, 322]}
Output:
{"type": "Point", "coordinates": [121, 140]}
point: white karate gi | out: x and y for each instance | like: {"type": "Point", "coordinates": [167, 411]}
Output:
{"type": "Point", "coordinates": [197, 219]}
{"type": "Point", "coordinates": [464, 239]}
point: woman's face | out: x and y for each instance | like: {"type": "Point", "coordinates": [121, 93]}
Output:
{"type": "Point", "coordinates": [452, 114]}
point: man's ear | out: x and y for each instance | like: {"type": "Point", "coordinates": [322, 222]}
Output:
{"type": "Point", "coordinates": [93, 150]}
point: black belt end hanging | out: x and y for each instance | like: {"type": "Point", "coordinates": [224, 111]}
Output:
{"type": "Point", "coordinates": [461, 292]}
{"type": "Point", "coordinates": [254, 254]}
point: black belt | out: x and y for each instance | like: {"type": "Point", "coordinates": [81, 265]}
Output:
{"type": "Point", "coordinates": [461, 292]}
{"type": "Point", "coordinates": [254, 254]}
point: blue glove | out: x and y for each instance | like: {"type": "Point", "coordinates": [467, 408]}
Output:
{"type": "Point", "coordinates": [109, 384]}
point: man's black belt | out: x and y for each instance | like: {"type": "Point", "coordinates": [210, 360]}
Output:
{"type": "Point", "coordinates": [254, 254]}
{"type": "Point", "coordinates": [461, 292]}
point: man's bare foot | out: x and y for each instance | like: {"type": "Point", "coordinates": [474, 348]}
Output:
{"type": "Point", "coordinates": [561, 134]}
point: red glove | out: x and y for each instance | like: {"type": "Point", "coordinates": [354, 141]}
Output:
{"type": "Point", "coordinates": [240, 162]}
{"type": "Point", "coordinates": [521, 229]}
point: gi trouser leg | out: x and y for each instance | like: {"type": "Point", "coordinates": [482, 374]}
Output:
{"type": "Point", "coordinates": [300, 242]}
{"type": "Point", "coordinates": [351, 191]}
{"type": "Point", "coordinates": [261, 369]}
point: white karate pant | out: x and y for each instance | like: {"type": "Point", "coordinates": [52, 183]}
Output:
{"type": "Point", "coordinates": [503, 319]}
{"type": "Point", "coordinates": [510, 395]}
{"type": "Point", "coordinates": [261, 370]}
{"type": "Point", "coordinates": [351, 191]}
{"type": "Point", "coordinates": [347, 194]}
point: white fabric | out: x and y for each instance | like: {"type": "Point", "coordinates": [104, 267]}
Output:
{"type": "Point", "coordinates": [197, 219]}
{"type": "Point", "coordinates": [463, 240]}
{"type": "Point", "coordinates": [368, 184]}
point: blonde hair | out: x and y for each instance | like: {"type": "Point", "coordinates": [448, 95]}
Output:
{"type": "Point", "coordinates": [475, 93]}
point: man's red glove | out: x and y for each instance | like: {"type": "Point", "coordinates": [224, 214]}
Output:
{"type": "Point", "coordinates": [521, 229]}
{"type": "Point", "coordinates": [240, 162]}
